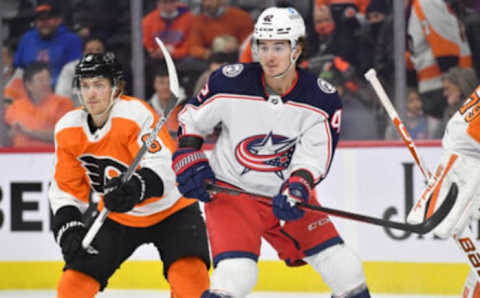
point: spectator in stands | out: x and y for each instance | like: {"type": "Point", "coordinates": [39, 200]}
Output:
{"type": "Point", "coordinates": [472, 30]}
{"type": "Point", "coordinates": [216, 60]}
{"type": "Point", "coordinates": [419, 125]}
{"type": "Point", "coordinates": [224, 51]}
{"type": "Point", "coordinates": [50, 41]}
{"type": "Point", "coordinates": [171, 22]}
{"type": "Point", "coordinates": [227, 44]}
{"type": "Point", "coordinates": [32, 119]}
{"type": "Point", "coordinates": [64, 86]}
{"type": "Point", "coordinates": [359, 108]}
{"type": "Point", "coordinates": [13, 78]}
{"type": "Point", "coordinates": [436, 44]}
{"type": "Point", "coordinates": [335, 39]}
{"type": "Point", "coordinates": [161, 100]}
{"type": "Point", "coordinates": [458, 83]}
{"type": "Point", "coordinates": [376, 13]}
{"type": "Point", "coordinates": [217, 19]}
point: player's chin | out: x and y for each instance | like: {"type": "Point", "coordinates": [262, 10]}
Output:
{"type": "Point", "coordinates": [272, 72]}
{"type": "Point", "coordinates": [95, 110]}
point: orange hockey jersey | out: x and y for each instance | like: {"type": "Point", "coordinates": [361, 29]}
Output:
{"type": "Point", "coordinates": [84, 161]}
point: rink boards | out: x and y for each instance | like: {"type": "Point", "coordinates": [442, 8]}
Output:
{"type": "Point", "coordinates": [371, 179]}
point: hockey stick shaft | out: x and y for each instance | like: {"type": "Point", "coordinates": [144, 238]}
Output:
{"type": "Point", "coordinates": [174, 88]}
{"type": "Point", "coordinates": [371, 76]}
{"type": "Point", "coordinates": [420, 228]}
{"type": "Point", "coordinates": [464, 241]}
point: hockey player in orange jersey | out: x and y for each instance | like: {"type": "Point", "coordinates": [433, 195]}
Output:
{"type": "Point", "coordinates": [460, 165]}
{"type": "Point", "coordinates": [93, 146]}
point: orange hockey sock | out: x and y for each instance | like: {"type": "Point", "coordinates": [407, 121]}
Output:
{"type": "Point", "coordinates": [74, 284]}
{"type": "Point", "coordinates": [476, 292]}
{"type": "Point", "coordinates": [188, 277]}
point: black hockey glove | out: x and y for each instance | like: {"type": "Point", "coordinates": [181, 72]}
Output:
{"type": "Point", "coordinates": [70, 238]}
{"type": "Point", "coordinates": [122, 197]}
{"type": "Point", "coordinates": [69, 231]}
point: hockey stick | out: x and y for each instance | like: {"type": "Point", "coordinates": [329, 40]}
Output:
{"type": "Point", "coordinates": [422, 228]}
{"type": "Point", "coordinates": [371, 76]}
{"type": "Point", "coordinates": [464, 241]}
{"type": "Point", "coordinates": [175, 89]}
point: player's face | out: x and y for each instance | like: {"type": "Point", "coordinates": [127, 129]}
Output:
{"type": "Point", "coordinates": [96, 94]}
{"type": "Point", "coordinates": [274, 56]}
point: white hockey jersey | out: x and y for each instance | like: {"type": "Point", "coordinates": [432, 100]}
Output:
{"type": "Point", "coordinates": [265, 138]}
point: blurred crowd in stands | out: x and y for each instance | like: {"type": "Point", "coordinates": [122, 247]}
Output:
{"type": "Point", "coordinates": [43, 41]}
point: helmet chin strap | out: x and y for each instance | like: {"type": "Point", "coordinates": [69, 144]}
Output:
{"type": "Point", "coordinates": [292, 61]}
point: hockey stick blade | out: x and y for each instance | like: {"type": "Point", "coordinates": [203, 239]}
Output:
{"type": "Point", "coordinates": [421, 228]}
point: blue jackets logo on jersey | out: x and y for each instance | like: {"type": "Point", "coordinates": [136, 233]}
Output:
{"type": "Point", "coordinates": [232, 70]}
{"type": "Point", "coordinates": [265, 153]}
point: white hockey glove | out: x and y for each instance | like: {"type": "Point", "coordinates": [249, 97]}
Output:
{"type": "Point", "coordinates": [462, 170]}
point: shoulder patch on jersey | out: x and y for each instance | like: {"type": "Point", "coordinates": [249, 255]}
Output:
{"type": "Point", "coordinates": [326, 86]}
{"type": "Point", "coordinates": [232, 70]}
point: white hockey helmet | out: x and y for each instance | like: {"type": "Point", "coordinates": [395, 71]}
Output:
{"type": "Point", "coordinates": [277, 23]}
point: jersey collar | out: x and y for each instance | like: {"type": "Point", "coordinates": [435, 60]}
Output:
{"type": "Point", "coordinates": [295, 80]}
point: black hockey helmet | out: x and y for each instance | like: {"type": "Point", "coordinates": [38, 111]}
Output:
{"type": "Point", "coordinates": [98, 64]}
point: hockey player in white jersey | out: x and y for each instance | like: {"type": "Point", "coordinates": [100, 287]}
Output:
{"type": "Point", "coordinates": [460, 165]}
{"type": "Point", "coordinates": [279, 129]}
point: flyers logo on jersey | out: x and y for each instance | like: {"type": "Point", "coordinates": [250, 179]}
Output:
{"type": "Point", "coordinates": [101, 169]}
{"type": "Point", "coordinates": [265, 153]}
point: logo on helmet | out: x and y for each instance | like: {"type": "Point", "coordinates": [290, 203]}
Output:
{"type": "Point", "coordinates": [268, 18]}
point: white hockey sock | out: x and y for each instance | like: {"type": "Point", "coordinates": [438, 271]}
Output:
{"type": "Point", "coordinates": [234, 277]}
{"type": "Point", "coordinates": [341, 270]}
